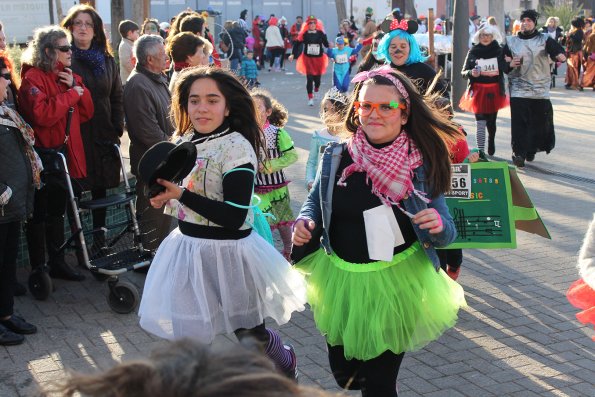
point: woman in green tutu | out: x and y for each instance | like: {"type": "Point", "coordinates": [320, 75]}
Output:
{"type": "Point", "coordinates": [366, 237]}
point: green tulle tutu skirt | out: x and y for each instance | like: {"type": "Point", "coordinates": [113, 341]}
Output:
{"type": "Point", "coordinates": [400, 305]}
{"type": "Point", "coordinates": [277, 202]}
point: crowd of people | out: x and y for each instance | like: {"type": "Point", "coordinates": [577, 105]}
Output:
{"type": "Point", "coordinates": [365, 241]}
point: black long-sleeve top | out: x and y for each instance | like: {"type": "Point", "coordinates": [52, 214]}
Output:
{"type": "Point", "coordinates": [479, 51]}
{"type": "Point", "coordinates": [347, 231]}
{"type": "Point", "coordinates": [310, 42]}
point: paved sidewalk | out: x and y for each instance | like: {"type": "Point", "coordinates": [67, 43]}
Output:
{"type": "Point", "coordinates": [518, 337]}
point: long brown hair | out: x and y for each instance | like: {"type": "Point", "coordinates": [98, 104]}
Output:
{"type": "Point", "coordinates": [427, 126]}
{"type": "Point", "coordinates": [99, 38]}
{"type": "Point", "coordinates": [242, 112]}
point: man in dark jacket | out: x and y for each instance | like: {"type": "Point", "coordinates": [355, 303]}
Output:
{"type": "Point", "coordinates": [146, 105]}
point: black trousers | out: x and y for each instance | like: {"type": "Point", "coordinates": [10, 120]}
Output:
{"type": "Point", "coordinates": [375, 378]}
{"type": "Point", "coordinates": [532, 126]}
{"type": "Point", "coordinates": [276, 52]}
{"type": "Point", "coordinates": [312, 80]}
{"type": "Point", "coordinates": [50, 200]}
{"type": "Point", "coordinates": [9, 245]}
{"type": "Point", "coordinates": [451, 256]}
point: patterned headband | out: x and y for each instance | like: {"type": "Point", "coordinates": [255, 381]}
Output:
{"type": "Point", "coordinates": [386, 72]}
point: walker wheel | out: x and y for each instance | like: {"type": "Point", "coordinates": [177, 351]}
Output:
{"type": "Point", "coordinates": [123, 297]}
{"type": "Point", "coordinates": [40, 284]}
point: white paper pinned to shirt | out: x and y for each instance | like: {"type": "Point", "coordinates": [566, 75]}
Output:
{"type": "Point", "coordinates": [383, 233]}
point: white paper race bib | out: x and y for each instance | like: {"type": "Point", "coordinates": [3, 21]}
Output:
{"type": "Point", "coordinates": [341, 58]}
{"type": "Point", "coordinates": [383, 233]}
{"type": "Point", "coordinates": [489, 67]}
{"type": "Point", "coordinates": [313, 49]}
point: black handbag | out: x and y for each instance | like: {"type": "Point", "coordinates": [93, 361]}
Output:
{"type": "Point", "coordinates": [53, 167]}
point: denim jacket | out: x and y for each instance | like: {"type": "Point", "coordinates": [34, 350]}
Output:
{"type": "Point", "coordinates": [318, 205]}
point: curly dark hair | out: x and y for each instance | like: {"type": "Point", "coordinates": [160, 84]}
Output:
{"type": "Point", "coordinates": [279, 114]}
{"type": "Point", "coordinates": [242, 112]}
{"type": "Point", "coordinates": [427, 125]}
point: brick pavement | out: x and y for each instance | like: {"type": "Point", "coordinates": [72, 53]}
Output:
{"type": "Point", "coordinates": [518, 337]}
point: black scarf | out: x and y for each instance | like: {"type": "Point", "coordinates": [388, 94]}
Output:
{"type": "Point", "coordinates": [486, 51]}
{"type": "Point", "coordinates": [527, 36]}
{"type": "Point", "coordinates": [93, 58]}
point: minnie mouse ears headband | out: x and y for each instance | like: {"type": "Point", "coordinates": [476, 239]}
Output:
{"type": "Point", "coordinates": [404, 25]}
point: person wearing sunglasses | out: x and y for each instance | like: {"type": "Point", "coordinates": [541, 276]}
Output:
{"type": "Point", "coordinates": [48, 90]}
{"type": "Point", "coordinates": [366, 237]}
{"type": "Point", "coordinates": [93, 60]}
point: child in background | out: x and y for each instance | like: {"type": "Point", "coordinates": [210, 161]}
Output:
{"type": "Point", "coordinates": [129, 31]}
{"type": "Point", "coordinates": [271, 183]}
{"type": "Point", "coordinates": [342, 55]}
{"type": "Point", "coordinates": [332, 110]}
{"type": "Point", "coordinates": [249, 70]}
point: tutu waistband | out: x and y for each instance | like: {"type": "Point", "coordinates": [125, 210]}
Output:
{"type": "Point", "coordinates": [374, 266]}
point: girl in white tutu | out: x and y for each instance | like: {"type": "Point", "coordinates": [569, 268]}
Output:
{"type": "Point", "coordinates": [213, 274]}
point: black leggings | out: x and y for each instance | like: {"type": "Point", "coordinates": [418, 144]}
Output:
{"type": "Point", "coordinates": [312, 80]}
{"type": "Point", "coordinates": [375, 378]}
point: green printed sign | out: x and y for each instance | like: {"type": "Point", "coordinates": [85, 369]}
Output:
{"type": "Point", "coordinates": [485, 219]}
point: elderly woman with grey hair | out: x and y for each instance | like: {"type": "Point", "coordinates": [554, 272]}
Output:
{"type": "Point", "coordinates": [146, 106]}
{"type": "Point", "coordinates": [48, 91]}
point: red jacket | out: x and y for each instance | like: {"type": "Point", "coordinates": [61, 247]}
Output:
{"type": "Point", "coordinates": [44, 104]}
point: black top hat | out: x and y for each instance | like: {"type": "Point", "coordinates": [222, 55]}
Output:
{"type": "Point", "coordinates": [165, 160]}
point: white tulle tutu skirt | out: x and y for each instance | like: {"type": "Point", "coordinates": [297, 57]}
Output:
{"type": "Point", "coordinates": [199, 288]}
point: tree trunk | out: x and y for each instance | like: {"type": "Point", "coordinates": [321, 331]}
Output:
{"type": "Point", "coordinates": [496, 9]}
{"type": "Point", "coordinates": [59, 11]}
{"type": "Point", "coordinates": [117, 14]}
{"type": "Point", "coordinates": [341, 10]}
{"type": "Point", "coordinates": [137, 11]}
{"type": "Point", "coordinates": [410, 9]}
{"type": "Point", "coordinates": [460, 43]}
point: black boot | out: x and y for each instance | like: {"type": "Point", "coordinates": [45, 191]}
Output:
{"type": "Point", "coordinates": [55, 238]}
{"type": "Point", "coordinates": [491, 141]}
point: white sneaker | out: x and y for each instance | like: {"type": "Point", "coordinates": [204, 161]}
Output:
{"type": "Point", "coordinates": [311, 102]}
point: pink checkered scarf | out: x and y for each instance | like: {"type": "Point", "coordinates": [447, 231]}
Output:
{"type": "Point", "coordinates": [389, 168]}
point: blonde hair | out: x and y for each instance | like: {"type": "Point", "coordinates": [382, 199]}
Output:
{"type": "Point", "coordinates": [489, 30]}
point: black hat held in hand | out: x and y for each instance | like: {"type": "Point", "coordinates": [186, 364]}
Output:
{"type": "Point", "coordinates": [165, 160]}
